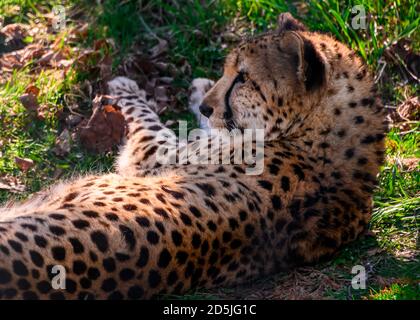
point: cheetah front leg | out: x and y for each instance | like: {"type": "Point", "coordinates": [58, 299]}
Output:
{"type": "Point", "coordinates": [145, 130]}
{"type": "Point", "coordinates": [146, 133]}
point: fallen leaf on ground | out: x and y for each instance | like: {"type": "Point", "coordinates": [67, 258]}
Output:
{"type": "Point", "coordinates": [12, 36]}
{"type": "Point", "coordinates": [73, 120]}
{"type": "Point", "coordinates": [407, 164]}
{"type": "Point", "coordinates": [11, 184]}
{"type": "Point", "coordinates": [104, 130]}
{"type": "Point", "coordinates": [29, 101]}
{"type": "Point", "coordinates": [24, 164]}
{"type": "Point", "coordinates": [409, 109]}
{"type": "Point", "coordinates": [62, 144]}
{"type": "Point", "coordinates": [32, 90]}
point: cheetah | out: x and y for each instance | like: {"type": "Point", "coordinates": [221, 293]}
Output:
{"type": "Point", "coordinates": [151, 229]}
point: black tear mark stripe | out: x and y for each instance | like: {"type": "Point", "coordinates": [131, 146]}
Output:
{"type": "Point", "coordinates": [239, 79]}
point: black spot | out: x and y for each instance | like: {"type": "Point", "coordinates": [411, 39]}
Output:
{"type": "Point", "coordinates": [79, 267]}
{"type": "Point", "coordinates": [227, 236]}
{"type": "Point", "coordinates": [111, 216]}
{"type": "Point", "coordinates": [85, 283]}
{"type": "Point", "coordinates": [185, 219]}
{"type": "Point", "coordinates": [57, 296]}
{"type": "Point", "coordinates": [324, 145]}
{"type": "Point", "coordinates": [109, 264]}
{"type": "Point", "coordinates": [36, 258]}
{"type": "Point", "coordinates": [9, 293]}
{"type": "Point", "coordinates": [233, 224]}
{"type": "Point", "coordinates": [70, 196]}
{"type": "Point", "coordinates": [128, 236]}
{"type": "Point", "coordinates": [154, 278]}
{"type": "Point", "coordinates": [298, 171]}
{"type": "Point", "coordinates": [242, 215]}
{"type": "Point", "coordinates": [161, 212]}
{"type": "Point", "coordinates": [135, 292]}
{"type": "Point", "coordinates": [151, 151]}
{"type": "Point", "coordinates": [176, 238]}
{"type": "Point", "coordinates": [280, 223]}
{"type": "Point", "coordinates": [56, 230]}
{"type": "Point", "coordinates": [5, 276]}
{"type": "Point", "coordinates": [122, 256]}
{"type": "Point", "coordinates": [160, 227]}
{"type": "Point", "coordinates": [90, 214]}
{"type": "Point", "coordinates": [358, 119]}
{"type": "Point", "coordinates": [175, 194]}
{"type": "Point", "coordinates": [195, 211]}
{"type": "Point", "coordinates": [19, 268]}
{"type": "Point", "coordinates": [116, 295]}
{"type": "Point", "coordinates": [211, 225]}
{"type": "Point", "coordinates": [362, 161]}
{"type": "Point", "coordinates": [265, 184]}
{"type": "Point", "coordinates": [143, 222]}
{"type": "Point", "coordinates": [349, 153]}
{"type": "Point", "coordinates": [126, 274]}
{"type": "Point", "coordinates": [129, 207]}
{"type": "Point", "coordinates": [4, 250]}
{"type": "Point", "coordinates": [249, 230]}
{"type": "Point", "coordinates": [93, 273]}
{"type": "Point", "coordinates": [100, 240]}
{"type": "Point", "coordinates": [29, 295]}
{"type": "Point", "coordinates": [208, 189]}
{"type": "Point", "coordinates": [59, 253]}
{"type": "Point", "coordinates": [109, 285]}
{"type": "Point", "coordinates": [15, 245]}
{"type": "Point", "coordinates": [273, 169]}
{"type": "Point", "coordinates": [77, 245]}
{"type": "Point", "coordinates": [367, 102]}
{"type": "Point", "coordinates": [204, 247]}
{"type": "Point", "coordinates": [368, 139]}
{"type": "Point", "coordinates": [152, 237]}
{"type": "Point", "coordinates": [172, 278]}
{"type": "Point", "coordinates": [285, 183]}
{"type": "Point", "coordinates": [164, 258]}
{"type": "Point", "coordinates": [143, 258]}
{"type": "Point", "coordinates": [181, 257]}
{"type": "Point", "coordinates": [196, 241]}
{"type": "Point", "coordinates": [80, 224]}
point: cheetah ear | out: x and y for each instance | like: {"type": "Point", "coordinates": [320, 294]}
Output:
{"type": "Point", "coordinates": [286, 22]}
{"type": "Point", "coordinates": [310, 67]}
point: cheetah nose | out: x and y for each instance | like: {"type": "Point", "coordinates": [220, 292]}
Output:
{"type": "Point", "coordinates": [206, 110]}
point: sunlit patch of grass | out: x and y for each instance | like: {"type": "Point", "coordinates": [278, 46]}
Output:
{"type": "Point", "coordinates": [396, 292]}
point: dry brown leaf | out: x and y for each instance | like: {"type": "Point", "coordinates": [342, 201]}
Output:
{"type": "Point", "coordinates": [73, 120]}
{"type": "Point", "coordinates": [407, 164]}
{"type": "Point", "coordinates": [29, 101]}
{"type": "Point", "coordinates": [32, 89]}
{"type": "Point", "coordinates": [104, 130]}
{"type": "Point", "coordinates": [24, 164]}
{"type": "Point", "coordinates": [409, 109]}
{"type": "Point", "coordinates": [12, 37]}
{"type": "Point", "coordinates": [62, 144]}
{"type": "Point", "coordinates": [11, 184]}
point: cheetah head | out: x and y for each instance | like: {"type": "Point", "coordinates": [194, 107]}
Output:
{"type": "Point", "coordinates": [267, 81]}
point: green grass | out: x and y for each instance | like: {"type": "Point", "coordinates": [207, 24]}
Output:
{"type": "Point", "coordinates": [193, 29]}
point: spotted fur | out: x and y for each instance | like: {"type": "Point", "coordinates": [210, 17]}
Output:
{"type": "Point", "coordinates": [150, 229]}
